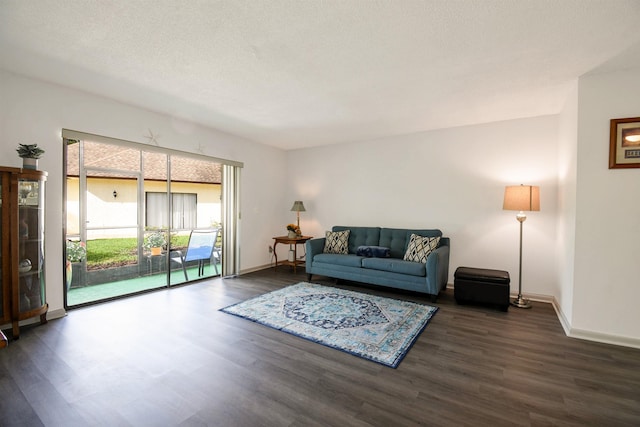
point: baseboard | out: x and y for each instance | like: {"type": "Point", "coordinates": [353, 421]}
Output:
{"type": "Point", "coordinates": [586, 335]}
{"type": "Point", "coordinates": [51, 315]}
{"type": "Point", "coordinates": [56, 314]}
{"type": "Point", "coordinates": [258, 268]}
{"type": "Point", "coordinates": [604, 338]}
{"type": "Point", "coordinates": [533, 297]}
{"type": "Point", "coordinates": [266, 266]}
{"type": "Point", "coordinates": [564, 322]}
{"type": "Point", "coordinates": [574, 332]}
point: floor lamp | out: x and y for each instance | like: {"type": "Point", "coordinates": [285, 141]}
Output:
{"type": "Point", "coordinates": [521, 198]}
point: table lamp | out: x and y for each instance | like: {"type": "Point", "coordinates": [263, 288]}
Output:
{"type": "Point", "coordinates": [298, 207]}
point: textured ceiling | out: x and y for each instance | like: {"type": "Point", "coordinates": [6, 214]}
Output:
{"type": "Point", "coordinates": [304, 73]}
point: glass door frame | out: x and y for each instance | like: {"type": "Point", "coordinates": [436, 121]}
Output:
{"type": "Point", "coordinates": [84, 205]}
{"type": "Point", "coordinates": [139, 175]}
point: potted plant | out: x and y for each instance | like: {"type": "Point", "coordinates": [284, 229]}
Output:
{"type": "Point", "coordinates": [76, 252]}
{"type": "Point", "coordinates": [294, 231]}
{"type": "Point", "coordinates": [154, 242]}
{"type": "Point", "coordinates": [30, 153]}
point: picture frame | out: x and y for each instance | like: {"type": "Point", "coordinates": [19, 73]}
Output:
{"type": "Point", "coordinates": [624, 143]}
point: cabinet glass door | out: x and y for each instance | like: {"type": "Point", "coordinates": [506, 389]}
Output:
{"type": "Point", "coordinates": [31, 244]}
{"type": "Point", "coordinates": [3, 288]}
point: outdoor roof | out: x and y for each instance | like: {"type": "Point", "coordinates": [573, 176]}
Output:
{"type": "Point", "coordinates": [125, 163]}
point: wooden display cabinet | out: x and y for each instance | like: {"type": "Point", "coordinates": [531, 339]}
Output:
{"type": "Point", "coordinates": [22, 257]}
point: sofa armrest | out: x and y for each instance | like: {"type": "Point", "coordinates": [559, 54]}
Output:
{"type": "Point", "coordinates": [313, 247]}
{"type": "Point", "coordinates": [438, 269]}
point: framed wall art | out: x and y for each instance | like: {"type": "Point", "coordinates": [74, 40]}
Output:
{"type": "Point", "coordinates": [624, 144]}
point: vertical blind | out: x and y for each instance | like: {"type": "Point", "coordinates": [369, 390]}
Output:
{"type": "Point", "coordinates": [230, 220]}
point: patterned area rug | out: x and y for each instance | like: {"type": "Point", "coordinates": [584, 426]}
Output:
{"type": "Point", "coordinates": [372, 327]}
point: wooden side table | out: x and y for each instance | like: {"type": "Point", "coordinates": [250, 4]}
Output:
{"type": "Point", "coordinates": [295, 241]}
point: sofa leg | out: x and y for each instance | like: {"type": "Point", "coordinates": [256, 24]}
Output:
{"type": "Point", "coordinates": [309, 277]}
{"type": "Point", "coordinates": [434, 298]}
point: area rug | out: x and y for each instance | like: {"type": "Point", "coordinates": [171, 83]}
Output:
{"type": "Point", "coordinates": [372, 327]}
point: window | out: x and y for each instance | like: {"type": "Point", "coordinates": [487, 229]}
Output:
{"type": "Point", "coordinates": [183, 210]}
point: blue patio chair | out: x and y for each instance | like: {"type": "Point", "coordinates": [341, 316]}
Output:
{"type": "Point", "coordinates": [200, 248]}
{"type": "Point", "coordinates": [217, 251]}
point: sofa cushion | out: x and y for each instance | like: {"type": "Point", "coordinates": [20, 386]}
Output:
{"type": "Point", "coordinates": [338, 259]}
{"type": "Point", "coordinates": [395, 265]}
{"type": "Point", "coordinates": [420, 247]}
{"type": "Point", "coordinates": [336, 242]}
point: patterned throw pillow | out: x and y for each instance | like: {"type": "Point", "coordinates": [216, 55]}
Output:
{"type": "Point", "coordinates": [420, 247]}
{"type": "Point", "coordinates": [337, 242]}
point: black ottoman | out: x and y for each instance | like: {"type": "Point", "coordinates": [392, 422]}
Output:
{"type": "Point", "coordinates": [481, 285]}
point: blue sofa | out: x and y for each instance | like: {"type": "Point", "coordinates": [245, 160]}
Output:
{"type": "Point", "coordinates": [392, 271]}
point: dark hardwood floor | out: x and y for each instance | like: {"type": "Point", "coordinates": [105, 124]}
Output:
{"type": "Point", "coordinates": [170, 358]}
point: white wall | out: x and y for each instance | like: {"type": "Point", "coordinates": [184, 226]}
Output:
{"type": "Point", "coordinates": [607, 270]}
{"type": "Point", "coordinates": [35, 112]}
{"type": "Point", "coordinates": [567, 163]}
{"type": "Point", "coordinates": [452, 179]}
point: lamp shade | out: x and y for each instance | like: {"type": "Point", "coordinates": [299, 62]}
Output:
{"type": "Point", "coordinates": [298, 206]}
{"type": "Point", "coordinates": [521, 198]}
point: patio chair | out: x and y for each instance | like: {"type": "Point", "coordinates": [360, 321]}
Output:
{"type": "Point", "coordinates": [217, 251]}
{"type": "Point", "coordinates": [200, 248]}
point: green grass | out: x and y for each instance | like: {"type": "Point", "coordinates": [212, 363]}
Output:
{"type": "Point", "coordinates": [112, 251]}
{"type": "Point", "coordinates": [105, 253]}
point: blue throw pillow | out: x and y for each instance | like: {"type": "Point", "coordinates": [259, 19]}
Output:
{"type": "Point", "coordinates": [373, 251]}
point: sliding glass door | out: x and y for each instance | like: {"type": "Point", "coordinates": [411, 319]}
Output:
{"type": "Point", "coordinates": [144, 217]}
{"type": "Point", "coordinates": [194, 208]}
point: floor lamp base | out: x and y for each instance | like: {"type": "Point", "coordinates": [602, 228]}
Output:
{"type": "Point", "coordinates": [521, 302]}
